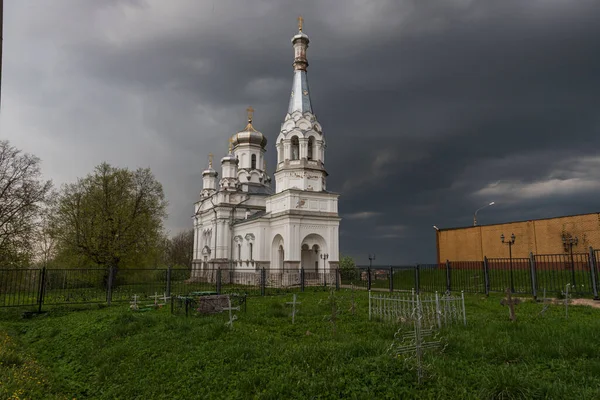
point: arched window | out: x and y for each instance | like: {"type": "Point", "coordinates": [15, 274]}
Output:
{"type": "Point", "coordinates": [295, 148]}
{"type": "Point", "coordinates": [239, 246]}
{"type": "Point", "coordinates": [311, 143]}
{"type": "Point", "coordinates": [280, 152]}
{"type": "Point", "coordinates": [281, 257]}
{"type": "Point", "coordinates": [253, 161]}
{"type": "Point", "coordinates": [251, 252]}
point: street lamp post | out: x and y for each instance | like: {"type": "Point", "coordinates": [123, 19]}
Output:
{"type": "Point", "coordinates": [371, 258]}
{"type": "Point", "coordinates": [324, 257]}
{"type": "Point", "coordinates": [571, 241]}
{"type": "Point", "coordinates": [475, 215]}
{"type": "Point", "coordinates": [510, 243]}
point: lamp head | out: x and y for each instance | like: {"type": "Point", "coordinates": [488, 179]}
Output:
{"type": "Point", "coordinates": [502, 237]}
{"type": "Point", "coordinates": [512, 237]}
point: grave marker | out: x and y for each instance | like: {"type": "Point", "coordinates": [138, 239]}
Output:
{"type": "Point", "coordinates": [231, 317]}
{"type": "Point", "coordinates": [293, 303]}
{"type": "Point", "coordinates": [416, 342]}
{"type": "Point", "coordinates": [133, 304]}
{"type": "Point", "coordinates": [546, 304]}
{"type": "Point", "coordinates": [511, 303]}
{"type": "Point", "coordinates": [155, 297]}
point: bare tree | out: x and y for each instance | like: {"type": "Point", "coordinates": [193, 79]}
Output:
{"type": "Point", "coordinates": [23, 192]}
{"type": "Point", "coordinates": [44, 242]}
{"type": "Point", "coordinates": [111, 216]}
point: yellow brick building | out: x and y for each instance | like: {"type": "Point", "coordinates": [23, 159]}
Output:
{"type": "Point", "coordinates": [540, 236]}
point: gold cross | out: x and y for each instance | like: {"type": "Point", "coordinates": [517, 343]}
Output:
{"type": "Point", "coordinates": [210, 157]}
{"type": "Point", "coordinates": [300, 20]}
{"type": "Point", "coordinates": [250, 112]}
{"type": "Point", "coordinates": [230, 144]}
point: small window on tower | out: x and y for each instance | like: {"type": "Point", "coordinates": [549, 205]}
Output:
{"type": "Point", "coordinates": [311, 143]}
{"type": "Point", "coordinates": [253, 161]}
{"type": "Point", "coordinates": [295, 148]}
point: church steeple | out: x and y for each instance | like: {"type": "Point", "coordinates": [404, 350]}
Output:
{"type": "Point", "coordinates": [300, 144]}
{"type": "Point", "coordinates": [300, 96]}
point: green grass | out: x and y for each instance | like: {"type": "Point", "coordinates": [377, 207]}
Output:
{"type": "Point", "coordinates": [111, 353]}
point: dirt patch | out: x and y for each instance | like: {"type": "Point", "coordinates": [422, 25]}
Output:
{"type": "Point", "coordinates": [573, 302]}
{"type": "Point", "coordinates": [586, 302]}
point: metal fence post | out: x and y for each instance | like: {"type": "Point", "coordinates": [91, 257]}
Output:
{"type": "Point", "coordinates": [219, 280]}
{"type": "Point", "coordinates": [417, 278]}
{"type": "Point", "coordinates": [369, 305]}
{"type": "Point", "coordinates": [486, 276]}
{"type": "Point", "coordinates": [448, 277]}
{"type": "Point", "coordinates": [41, 289]}
{"type": "Point", "coordinates": [391, 279]}
{"type": "Point", "coordinates": [369, 279]}
{"type": "Point", "coordinates": [533, 275]}
{"type": "Point", "coordinates": [263, 278]}
{"type": "Point", "coordinates": [337, 279]}
{"type": "Point", "coordinates": [109, 285]}
{"type": "Point", "coordinates": [169, 281]}
{"type": "Point", "coordinates": [593, 265]}
{"type": "Point", "coordinates": [302, 279]}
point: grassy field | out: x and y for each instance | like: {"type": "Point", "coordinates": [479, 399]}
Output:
{"type": "Point", "coordinates": [113, 353]}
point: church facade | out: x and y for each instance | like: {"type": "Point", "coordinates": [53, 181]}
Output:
{"type": "Point", "coordinates": [243, 224]}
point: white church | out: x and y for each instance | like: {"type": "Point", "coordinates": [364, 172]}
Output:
{"type": "Point", "coordinates": [241, 224]}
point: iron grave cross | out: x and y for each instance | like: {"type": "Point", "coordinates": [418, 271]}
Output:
{"type": "Point", "coordinates": [293, 303]}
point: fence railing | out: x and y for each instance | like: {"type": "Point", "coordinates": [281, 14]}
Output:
{"type": "Point", "coordinates": [550, 272]}
{"type": "Point", "coordinates": [433, 310]}
{"type": "Point", "coordinates": [38, 287]}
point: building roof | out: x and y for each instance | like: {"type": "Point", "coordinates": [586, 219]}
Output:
{"type": "Point", "coordinates": [516, 222]}
{"type": "Point", "coordinates": [300, 96]}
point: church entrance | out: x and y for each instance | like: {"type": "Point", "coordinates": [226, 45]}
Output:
{"type": "Point", "coordinates": [308, 258]}
{"type": "Point", "coordinates": [313, 247]}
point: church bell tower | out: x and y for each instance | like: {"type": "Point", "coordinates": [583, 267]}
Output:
{"type": "Point", "coordinates": [300, 144]}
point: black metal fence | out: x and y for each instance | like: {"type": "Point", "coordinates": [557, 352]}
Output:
{"type": "Point", "coordinates": [38, 287]}
{"type": "Point", "coordinates": [549, 272]}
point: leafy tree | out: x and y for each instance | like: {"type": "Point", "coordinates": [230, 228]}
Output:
{"type": "Point", "coordinates": [348, 269]}
{"type": "Point", "coordinates": [112, 217]}
{"type": "Point", "coordinates": [179, 249]}
{"type": "Point", "coordinates": [23, 193]}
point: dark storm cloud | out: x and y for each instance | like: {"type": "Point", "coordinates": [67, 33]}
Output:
{"type": "Point", "coordinates": [430, 109]}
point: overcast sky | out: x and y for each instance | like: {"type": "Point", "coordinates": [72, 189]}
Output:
{"type": "Point", "coordinates": [431, 109]}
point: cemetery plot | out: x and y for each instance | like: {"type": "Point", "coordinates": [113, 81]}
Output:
{"type": "Point", "coordinates": [436, 310]}
{"type": "Point", "coordinates": [206, 303]}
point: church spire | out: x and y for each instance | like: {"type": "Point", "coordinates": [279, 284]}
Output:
{"type": "Point", "coordinates": [300, 96]}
